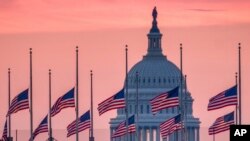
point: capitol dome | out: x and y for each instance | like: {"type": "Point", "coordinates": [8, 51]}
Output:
{"type": "Point", "coordinates": [156, 74]}
{"type": "Point", "coordinates": [154, 70]}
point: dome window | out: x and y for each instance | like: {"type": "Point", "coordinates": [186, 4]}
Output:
{"type": "Point", "coordinates": [159, 80]}
{"type": "Point", "coordinates": [143, 80]}
{"type": "Point", "coordinates": [169, 80]}
{"type": "Point", "coordinates": [154, 80]}
{"type": "Point", "coordinates": [148, 80]}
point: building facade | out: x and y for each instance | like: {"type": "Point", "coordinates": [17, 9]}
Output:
{"type": "Point", "coordinates": [156, 74]}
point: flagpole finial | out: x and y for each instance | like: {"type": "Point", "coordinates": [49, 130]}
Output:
{"type": "Point", "coordinates": [49, 71]}
{"type": "Point", "coordinates": [9, 70]}
{"type": "Point", "coordinates": [76, 48]}
{"type": "Point", "coordinates": [30, 50]}
{"type": "Point", "coordinates": [126, 46]}
{"type": "Point", "coordinates": [239, 45]}
{"type": "Point", "coordinates": [180, 45]}
{"type": "Point", "coordinates": [91, 72]}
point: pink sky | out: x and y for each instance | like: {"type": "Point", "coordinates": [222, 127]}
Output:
{"type": "Point", "coordinates": [209, 30]}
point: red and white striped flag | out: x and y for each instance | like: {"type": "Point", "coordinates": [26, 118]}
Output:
{"type": "Point", "coordinates": [114, 102]}
{"type": "Point", "coordinates": [20, 102]}
{"type": "Point", "coordinates": [170, 125]}
{"type": "Point", "coordinates": [165, 100]}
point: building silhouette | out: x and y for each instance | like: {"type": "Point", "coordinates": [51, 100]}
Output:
{"type": "Point", "coordinates": [156, 74]}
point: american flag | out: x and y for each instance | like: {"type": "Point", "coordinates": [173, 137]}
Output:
{"type": "Point", "coordinates": [62, 102]}
{"type": "Point", "coordinates": [43, 127]}
{"type": "Point", "coordinates": [83, 124]}
{"type": "Point", "coordinates": [223, 99]}
{"type": "Point", "coordinates": [20, 102]}
{"type": "Point", "coordinates": [222, 124]}
{"type": "Point", "coordinates": [170, 125]}
{"type": "Point", "coordinates": [121, 128]}
{"type": "Point", "coordinates": [114, 102]}
{"type": "Point", "coordinates": [4, 136]}
{"type": "Point", "coordinates": [165, 100]}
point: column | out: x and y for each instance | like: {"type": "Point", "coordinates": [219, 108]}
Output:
{"type": "Point", "coordinates": [157, 134]}
{"type": "Point", "coordinates": [151, 135]}
{"type": "Point", "coordinates": [111, 133]}
{"type": "Point", "coordinates": [198, 134]}
{"type": "Point", "coordinates": [192, 134]}
{"type": "Point", "coordinates": [189, 133]}
{"type": "Point", "coordinates": [143, 134]}
{"type": "Point", "coordinates": [146, 134]}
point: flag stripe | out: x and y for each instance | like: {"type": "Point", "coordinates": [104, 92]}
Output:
{"type": "Point", "coordinates": [20, 102]}
{"type": "Point", "coordinates": [170, 125]}
{"type": "Point", "coordinates": [165, 100]}
{"type": "Point", "coordinates": [83, 124]}
{"type": "Point", "coordinates": [223, 99]}
{"type": "Point", "coordinates": [62, 102]}
{"type": "Point", "coordinates": [42, 127]}
{"type": "Point", "coordinates": [222, 124]}
{"type": "Point", "coordinates": [121, 128]}
{"type": "Point", "coordinates": [116, 101]}
{"type": "Point", "coordinates": [4, 136]}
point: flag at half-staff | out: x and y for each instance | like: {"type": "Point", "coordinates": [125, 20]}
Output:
{"type": "Point", "coordinates": [83, 124]}
{"type": "Point", "coordinates": [64, 101]}
{"type": "Point", "coordinates": [4, 136]}
{"type": "Point", "coordinates": [165, 100]}
{"type": "Point", "coordinates": [171, 125]}
{"type": "Point", "coordinates": [116, 101]}
{"type": "Point", "coordinates": [223, 99]}
{"type": "Point", "coordinates": [222, 124]}
{"type": "Point", "coordinates": [43, 127]}
{"type": "Point", "coordinates": [20, 102]}
{"type": "Point", "coordinates": [121, 128]}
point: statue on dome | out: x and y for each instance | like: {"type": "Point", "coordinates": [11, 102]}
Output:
{"type": "Point", "coordinates": [154, 13]}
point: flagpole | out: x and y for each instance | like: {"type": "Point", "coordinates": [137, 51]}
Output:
{"type": "Point", "coordinates": [16, 134]}
{"type": "Point", "coordinates": [9, 117]}
{"type": "Point", "coordinates": [213, 136]}
{"type": "Point", "coordinates": [236, 106]}
{"type": "Point", "coordinates": [185, 109]}
{"type": "Point", "coordinates": [137, 107]}
{"type": "Point", "coordinates": [31, 98]}
{"type": "Point", "coordinates": [50, 125]}
{"type": "Point", "coordinates": [126, 93]}
{"type": "Point", "coordinates": [76, 93]}
{"type": "Point", "coordinates": [92, 121]}
{"type": "Point", "coordinates": [181, 101]}
{"type": "Point", "coordinates": [239, 83]}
